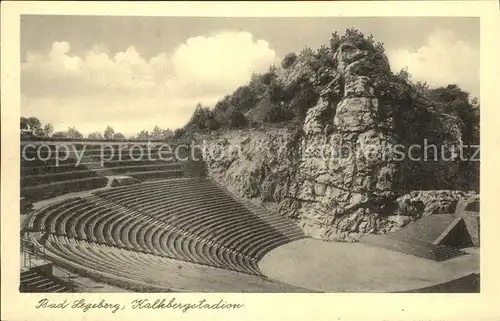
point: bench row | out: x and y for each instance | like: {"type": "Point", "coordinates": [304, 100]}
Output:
{"type": "Point", "coordinates": [146, 272]}
{"type": "Point", "coordinates": [81, 219]}
{"type": "Point", "coordinates": [206, 211]}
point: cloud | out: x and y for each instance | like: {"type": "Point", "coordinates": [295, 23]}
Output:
{"type": "Point", "coordinates": [442, 60]}
{"type": "Point", "coordinates": [96, 87]}
{"type": "Point", "coordinates": [220, 61]}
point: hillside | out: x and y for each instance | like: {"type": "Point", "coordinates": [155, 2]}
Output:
{"type": "Point", "coordinates": [326, 140]}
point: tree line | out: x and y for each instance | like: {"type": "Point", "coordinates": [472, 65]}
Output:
{"type": "Point", "coordinates": [33, 126]}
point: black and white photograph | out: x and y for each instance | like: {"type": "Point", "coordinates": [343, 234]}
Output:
{"type": "Point", "coordinates": [254, 155]}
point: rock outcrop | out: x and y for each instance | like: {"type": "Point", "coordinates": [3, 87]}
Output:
{"type": "Point", "coordinates": [418, 204]}
{"type": "Point", "coordinates": [350, 166]}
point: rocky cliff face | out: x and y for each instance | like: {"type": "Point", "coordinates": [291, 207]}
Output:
{"type": "Point", "coordinates": [340, 173]}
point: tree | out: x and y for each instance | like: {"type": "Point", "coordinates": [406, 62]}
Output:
{"type": "Point", "coordinates": [273, 70]}
{"type": "Point", "coordinates": [179, 132]}
{"type": "Point", "coordinates": [48, 129]}
{"type": "Point", "coordinates": [143, 135]}
{"type": "Point", "coordinates": [304, 99]}
{"type": "Point", "coordinates": [277, 113]}
{"type": "Point", "coordinates": [235, 118]}
{"type": "Point", "coordinates": [109, 132]}
{"type": "Point", "coordinates": [34, 124]}
{"type": "Point", "coordinates": [95, 135]}
{"type": "Point", "coordinates": [209, 122]}
{"type": "Point", "coordinates": [324, 56]}
{"type": "Point", "coordinates": [276, 92]}
{"type": "Point", "coordinates": [119, 136]}
{"type": "Point", "coordinates": [60, 135]}
{"type": "Point", "coordinates": [74, 133]}
{"type": "Point", "coordinates": [404, 74]}
{"type": "Point", "coordinates": [198, 115]}
{"type": "Point", "coordinates": [256, 85]}
{"type": "Point", "coordinates": [306, 53]}
{"type": "Point", "coordinates": [288, 60]}
{"type": "Point", "coordinates": [167, 133]}
{"type": "Point", "coordinates": [454, 101]}
{"type": "Point", "coordinates": [203, 119]}
{"type": "Point", "coordinates": [24, 122]}
{"type": "Point", "coordinates": [355, 36]}
{"type": "Point", "coordinates": [422, 88]}
{"type": "Point", "coordinates": [160, 134]}
{"type": "Point", "coordinates": [156, 133]}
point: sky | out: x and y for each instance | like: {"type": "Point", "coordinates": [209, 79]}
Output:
{"type": "Point", "coordinates": [133, 73]}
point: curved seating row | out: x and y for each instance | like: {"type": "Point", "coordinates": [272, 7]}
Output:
{"type": "Point", "coordinates": [188, 220]}
{"type": "Point", "coordinates": [43, 177]}
{"type": "Point", "coordinates": [201, 208]}
{"type": "Point", "coordinates": [37, 166]}
{"type": "Point", "coordinates": [143, 271]}
{"type": "Point", "coordinates": [95, 221]}
{"type": "Point", "coordinates": [48, 178]}
{"type": "Point", "coordinates": [44, 191]}
{"type": "Point", "coordinates": [171, 170]}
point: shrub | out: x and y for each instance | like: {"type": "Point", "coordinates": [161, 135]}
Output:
{"type": "Point", "coordinates": [288, 60]}
{"type": "Point", "coordinates": [306, 53]}
{"type": "Point", "coordinates": [277, 113]}
{"type": "Point", "coordinates": [210, 123]}
{"type": "Point", "coordinates": [355, 36]}
{"type": "Point", "coordinates": [324, 57]}
{"type": "Point", "coordinates": [243, 98]}
{"type": "Point", "coordinates": [257, 83]}
{"type": "Point", "coordinates": [60, 135]}
{"type": "Point", "coordinates": [235, 118]}
{"type": "Point", "coordinates": [304, 99]}
{"type": "Point", "coordinates": [179, 132]}
{"type": "Point", "coordinates": [203, 119]}
{"type": "Point", "coordinates": [268, 78]}
{"type": "Point", "coordinates": [277, 94]}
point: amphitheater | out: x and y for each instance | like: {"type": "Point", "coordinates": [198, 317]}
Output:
{"type": "Point", "coordinates": [96, 221]}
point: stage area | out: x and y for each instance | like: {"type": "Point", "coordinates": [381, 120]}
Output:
{"type": "Point", "coordinates": [356, 267]}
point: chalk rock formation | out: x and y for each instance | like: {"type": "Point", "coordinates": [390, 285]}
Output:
{"type": "Point", "coordinates": [340, 175]}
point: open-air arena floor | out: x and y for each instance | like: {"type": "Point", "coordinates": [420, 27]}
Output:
{"type": "Point", "coordinates": [357, 267]}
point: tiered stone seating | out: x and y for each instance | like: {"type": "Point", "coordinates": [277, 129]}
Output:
{"type": "Point", "coordinates": [135, 153]}
{"type": "Point", "coordinates": [177, 222]}
{"type": "Point", "coordinates": [146, 163]}
{"type": "Point", "coordinates": [290, 230]}
{"type": "Point", "coordinates": [201, 208]}
{"type": "Point", "coordinates": [44, 191]}
{"type": "Point", "coordinates": [35, 280]}
{"type": "Point", "coordinates": [42, 219]}
{"type": "Point", "coordinates": [42, 177]}
{"type": "Point", "coordinates": [96, 220]}
{"type": "Point", "coordinates": [37, 167]}
{"type": "Point", "coordinates": [142, 271]}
